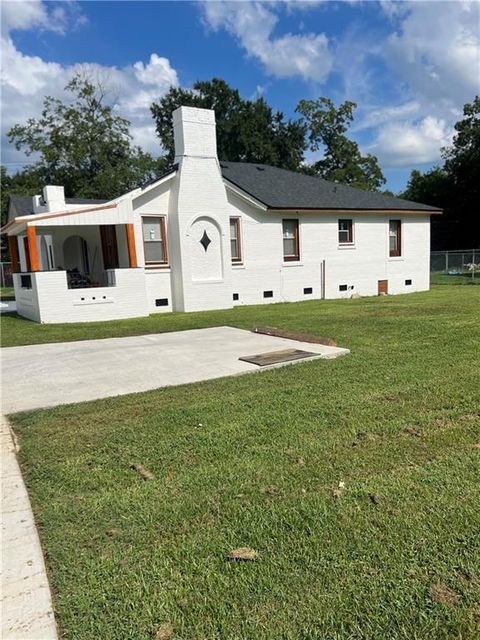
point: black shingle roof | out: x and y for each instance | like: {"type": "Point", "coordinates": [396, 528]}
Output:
{"type": "Point", "coordinates": [283, 189]}
{"type": "Point", "coordinates": [277, 189]}
{"type": "Point", "coordinates": [20, 206]}
{"type": "Point", "coordinates": [23, 205]}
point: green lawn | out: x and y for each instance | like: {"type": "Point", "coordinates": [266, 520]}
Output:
{"type": "Point", "coordinates": [461, 278]}
{"type": "Point", "coordinates": [16, 330]}
{"type": "Point", "coordinates": [256, 461]}
{"type": "Point", "coordinates": [7, 293]}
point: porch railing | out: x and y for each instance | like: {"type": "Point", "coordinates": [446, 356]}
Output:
{"type": "Point", "coordinates": [77, 280]}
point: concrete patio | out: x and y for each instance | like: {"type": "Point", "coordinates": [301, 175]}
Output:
{"type": "Point", "coordinates": [46, 375]}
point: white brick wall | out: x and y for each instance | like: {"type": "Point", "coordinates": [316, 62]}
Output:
{"type": "Point", "coordinates": [50, 301]}
{"type": "Point", "coordinates": [359, 266]}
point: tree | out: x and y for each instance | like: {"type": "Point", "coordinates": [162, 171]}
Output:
{"type": "Point", "coordinates": [342, 161]}
{"type": "Point", "coordinates": [84, 145]}
{"type": "Point", "coordinates": [462, 163]}
{"type": "Point", "coordinates": [430, 188]}
{"type": "Point", "coordinates": [455, 187]}
{"type": "Point", "coordinates": [247, 130]}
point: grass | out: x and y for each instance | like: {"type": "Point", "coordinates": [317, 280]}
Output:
{"type": "Point", "coordinates": [7, 293]}
{"type": "Point", "coordinates": [461, 278]}
{"type": "Point", "coordinates": [17, 331]}
{"type": "Point", "coordinates": [256, 461]}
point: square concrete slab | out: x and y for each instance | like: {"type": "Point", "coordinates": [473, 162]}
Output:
{"type": "Point", "coordinates": [46, 375]}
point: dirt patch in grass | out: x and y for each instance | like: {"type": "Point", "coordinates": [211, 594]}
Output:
{"type": "Point", "coordinates": [443, 594]}
{"type": "Point", "coordinates": [165, 632]}
{"type": "Point", "coordinates": [295, 335]}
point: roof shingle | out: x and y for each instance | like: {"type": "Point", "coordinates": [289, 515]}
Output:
{"type": "Point", "coordinates": [23, 205]}
{"type": "Point", "coordinates": [283, 189]}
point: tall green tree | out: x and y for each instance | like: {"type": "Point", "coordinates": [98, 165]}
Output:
{"type": "Point", "coordinates": [433, 187]}
{"type": "Point", "coordinates": [84, 145]}
{"type": "Point", "coordinates": [247, 130]}
{"type": "Point", "coordinates": [455, 187]}
{"type": "Point", "coordinates": [462, 162]}
{"type": "Point", "coordinates": [24, 182]}
{"type": "Point", "coordinates": [326, 127]}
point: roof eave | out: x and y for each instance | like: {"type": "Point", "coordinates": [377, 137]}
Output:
{"type": "Point", "coordinates": [235, 188]}
{"type": "Point", "coordinates": [140, 191]}
{"type": "Point", "coordinates": [328, 210]}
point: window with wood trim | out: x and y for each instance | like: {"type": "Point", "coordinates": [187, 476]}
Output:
{"type": "Point", "coordinates": [235, 240]}
{"type": "Point", "coordinates": [154, 240]}
{"type": "Point", "coordinates": [395, 238]}
{"type": "Point", "coordinates": [345, 231]}
{"type": "Point", "coordinates": [291, 246]}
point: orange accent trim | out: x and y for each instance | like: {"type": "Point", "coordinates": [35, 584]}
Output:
{"type": "Point", "coordinates": [164, 234]}
{"type": "Point", "coordinates": [13, 251]}
{"type": "Point", "coordinates": [41, 216]}
{"type": "Point", "coordinates": [132, 251]}
{"type": "Point", "coordinates": [32, 248]}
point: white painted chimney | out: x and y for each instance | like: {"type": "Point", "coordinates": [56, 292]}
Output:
{"type": "Point", "coordinates": [194, 133]}
{"type": "Point", "coordinates": [54, 198]}
{"type": "Point", "coordinates": [198, 208]}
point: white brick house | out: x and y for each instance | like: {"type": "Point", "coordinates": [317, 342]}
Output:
{"type": "Point", "coordinates": [212, 235]}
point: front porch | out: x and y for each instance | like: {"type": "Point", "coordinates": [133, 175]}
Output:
{"type": "Point", "coordinates": [76, 270]}
{"type": "Point", "coordinates": [45, 296]}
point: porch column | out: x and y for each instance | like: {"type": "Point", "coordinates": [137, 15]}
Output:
{"type": "Point", "coordinates": [132, 252]}
{"type": "Point", "coordinates": [13, 251]}
{"type": "Point", "coordinates": [32, 248]}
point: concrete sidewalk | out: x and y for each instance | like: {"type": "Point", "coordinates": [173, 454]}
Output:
{"type": "Point", "coordinates": [50, 374]}
{"type": "Point", "coordinates": [27, 612]}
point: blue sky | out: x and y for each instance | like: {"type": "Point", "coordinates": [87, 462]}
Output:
{"type": "Point", "coordinates": [410, 66]}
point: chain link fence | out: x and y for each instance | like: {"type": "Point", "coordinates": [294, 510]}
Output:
{"type": "Point", "coordinates": [463, 266]}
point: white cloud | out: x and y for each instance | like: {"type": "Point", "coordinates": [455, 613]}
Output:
{"type": "Point", "coordinates": [427, 68]}
{"type": "Point", "coordinates": [394, 8]}
{"type": "Point", "coordinates": [23, 15]}
{"type": "Point", "coordinates": [157, 72]}
{"type": "Point", "coordinates": [436, 49]}
{"type": "Point", "coordinates": [405, 143]}
{"type": "Point", "coordinates": [30, 14]}
{"type": "Point", "coordinates": [253, 23]}
{"type": "Point", "coordinates": [27, 79]}
{"type": "Point", "coordinates": [388, 114]}
{"type": "Point", "coordinates": [25, 75]}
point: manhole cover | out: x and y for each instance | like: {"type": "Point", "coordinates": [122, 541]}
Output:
{"type": "Point", "coordinates": [276, 357]}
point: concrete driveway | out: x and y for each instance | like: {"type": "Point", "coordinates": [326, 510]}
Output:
{"type": "Point", "coordinates": [45, 375]}
{"type": "Point", "coordinates": [8, 306]}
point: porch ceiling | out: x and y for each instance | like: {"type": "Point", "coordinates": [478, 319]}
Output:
{"type": "Point", "coordinates": [110, 213]}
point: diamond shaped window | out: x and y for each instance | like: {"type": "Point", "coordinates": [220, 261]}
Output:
{"type": "Point", "coordinates": [205, 240]}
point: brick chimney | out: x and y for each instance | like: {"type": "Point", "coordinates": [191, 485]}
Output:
{"type": "Point", "coordinates": [194, 133]}
{"type": "Point", "coordinates": [54, 198]}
